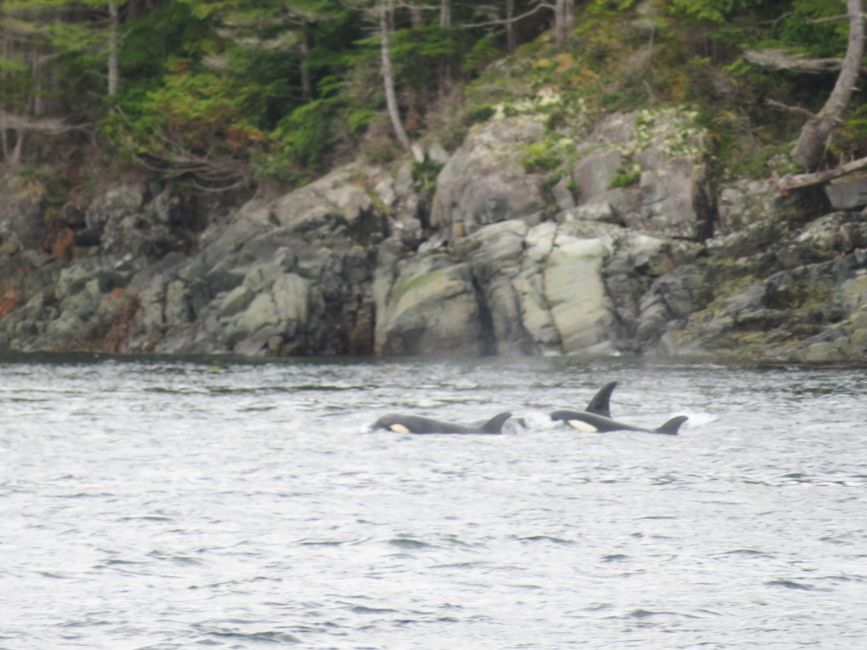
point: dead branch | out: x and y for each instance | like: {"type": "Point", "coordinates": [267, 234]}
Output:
{"type": "Point", "coordinates": [48, 125]}
{"type": "Point", "coordinates": [782, 60]}
{"type": "Point", "coordinates": [786, 184]}
{"type": "Point", "coordinates": [798, 110]}
{"type": "Point", "coordinates": [507, 21]}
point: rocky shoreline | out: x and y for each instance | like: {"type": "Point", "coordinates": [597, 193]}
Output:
{"type": "Point", "coordinates": [625, 247]}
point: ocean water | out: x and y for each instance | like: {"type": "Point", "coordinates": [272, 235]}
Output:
{"type": "Point", "coordinates": [183, 503]}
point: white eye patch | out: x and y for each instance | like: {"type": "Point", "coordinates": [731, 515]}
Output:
{"type": "Point", "coordinates": [581, 425]}
{"type": "Point", "coordinates": [399, 428]}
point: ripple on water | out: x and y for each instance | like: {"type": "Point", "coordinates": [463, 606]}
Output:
{"type": "Point", "coordinates": [409, 543]}
{"type": "Point", "coordinates": [793, 584]}
{"type": "Point", "coordinates": [223, 632]}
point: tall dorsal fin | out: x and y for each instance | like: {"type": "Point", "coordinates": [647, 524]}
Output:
{"type": "Point", "coordinates": [495, 424]}
{"type": "Point", "coordinates": [672, 425]}
{"type": "Point", "coordinates": [600, 402]}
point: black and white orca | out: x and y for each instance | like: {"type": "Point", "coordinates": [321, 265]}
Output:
{"type": "Point", "coordinates": [401, 423]}
{"type": "Point", "coordinates": [596, 418]}
{"type": "Point", "coordinates": [594, 423]}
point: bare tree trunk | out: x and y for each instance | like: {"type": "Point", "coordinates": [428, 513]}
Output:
{"type": "Point", "coordinates": [415, 17]}
{"type": "Point", "coordinates": [510, 26]}
{"type": "Point", "coordinates": [445, 71]}
{"type": "Point", "coordinates": [445, 13]}
{"type": "Point", "coordinates": [388, 76]}
{"type": "Point", "coordinates": [569, 14]}
{"type": "Point", "coordinates": [810, 148]}
{"type": "Point", "coordinates": [37, 102]}
{"type": "Point", "coordinates": [4, 136]}
{"type": "Point", "coordinates": [564, 17]}
{"type": "Point", "coordinates": [113, 73]}
{"type": "Point", "coordinates": [17, 153]}
{"type": "Point", "coordinates": [306, 80]}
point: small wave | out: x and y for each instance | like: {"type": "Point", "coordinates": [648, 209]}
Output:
{"type": "Point", "coordinates": [463, 565]}
{"type": "Point", "coordinates": [173, 390]}
{"type": "Point", "coordinates": [647, 613]}
{"type": "Point", "coordinates": [326, 542]}
{"type": "Point", "coordinates": [791, 584]}
{"type": "Point", "coordinates": [409, 543]}
{"type": "Point", "coordinates": [664, 479]}
{"type": "Point", "coordinates": [83, 495]}
{"type": "Point", "coordinates": [547, 538]}
{"type": "Point", "coordinates": [746, 552]}
{"type": "Point", "coordinates": [616, 557]}
{"type": "Point", "coordinates": [174, 559]}
{"type": "Point", "coordinates": [268, 636]}
{"type": "Point", "coordinates": [363, 609]}
{"type": "Point", "coordinates": [657, 517]}
{"type": "Point", "coordinates": [49, 574]}
{"type": "Point", "coordinates": [256, 409]}
{"type": "Point", "coordinates": [119, 563]}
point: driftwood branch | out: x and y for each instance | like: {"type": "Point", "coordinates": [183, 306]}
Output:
{"type": "Point", "coordinates": [786, 184]}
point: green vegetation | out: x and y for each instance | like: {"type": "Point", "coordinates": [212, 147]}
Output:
{"type": "Point", "coordinates": [227, 93]}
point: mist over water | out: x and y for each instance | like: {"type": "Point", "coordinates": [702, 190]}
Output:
{"type": "Point", "coordinates": [180, 503]}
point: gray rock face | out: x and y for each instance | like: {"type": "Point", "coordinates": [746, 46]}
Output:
{"type": "Point", "coordinates": [20, 219]}
{"type": "Point", "coordinates": [511, 289]}
{"type": "Point", "coordinates": [848, 192]}
{"type": "Point", "coordinates": [799, 300]}
{"type": "Point", "coordinates": [431, 308]}
{"type": "Point", "coordinates": [647, 170]}
{"type": "Point", "coordinates": [508, 263]}
{"type": "Point", "coordinates": [484, 182]}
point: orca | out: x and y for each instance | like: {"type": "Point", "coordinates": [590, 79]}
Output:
{"type": "Point", "coordinates": [595, 423]}
{"type": "Point", "coordinates": [401, 423]}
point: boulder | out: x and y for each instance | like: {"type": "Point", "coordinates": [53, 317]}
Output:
{"type": "Point", "coordinates": [848, 192]}
{"type": "Point", "coordinates": [484, 181]}
{"type": "Point", "coordinates": [648, 170]}
{"type": "Point", "coordinates": [430, 309]}
{"type": "Point", "coordinates": [575, 292]}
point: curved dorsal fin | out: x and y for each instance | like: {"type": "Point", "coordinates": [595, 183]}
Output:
{"type": "Point", "coordinates": [495, 424]}
{"type": "Point", "coordinates": [600, 402]}
{"type": "Point", "coordinates": [672, 425]}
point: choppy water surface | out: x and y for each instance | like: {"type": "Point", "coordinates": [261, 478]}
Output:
{"type": "Point", "coordinates": [177, 504]}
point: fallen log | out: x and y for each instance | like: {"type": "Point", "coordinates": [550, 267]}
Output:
{"type": "Point", "coordinates": [786, 184]}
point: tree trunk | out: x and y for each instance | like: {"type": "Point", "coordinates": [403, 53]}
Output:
{"type": "Point", "coordinates": [510, 26]}
{"type": "Point", "coordinates": [37, 101]}
{"type": "Point", "coordinates": [561, 24]}
{"type": "Point", "coordinates": [388, 76]}
{"type": "Point", "coordinates": [113, 74]}
{"type": "Point", "coordinates": [306, 80]}
{"type": "Point", "coordinates": [4, 136]}
{"type": "Point", "coordinates": [445, 68]}
{"type": "Point", "coordinates": [810, 148]}
{"type": "Point", "coordinates": [18, 152]}
{"type": "Point", "coordinates": [445, 13]}
{"type": "Point", "coordinates": [569, 15]}
{"type": "Point", "coordinates": [564, 17]}
{"type": "Point", "coordinates": [415, 17]}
